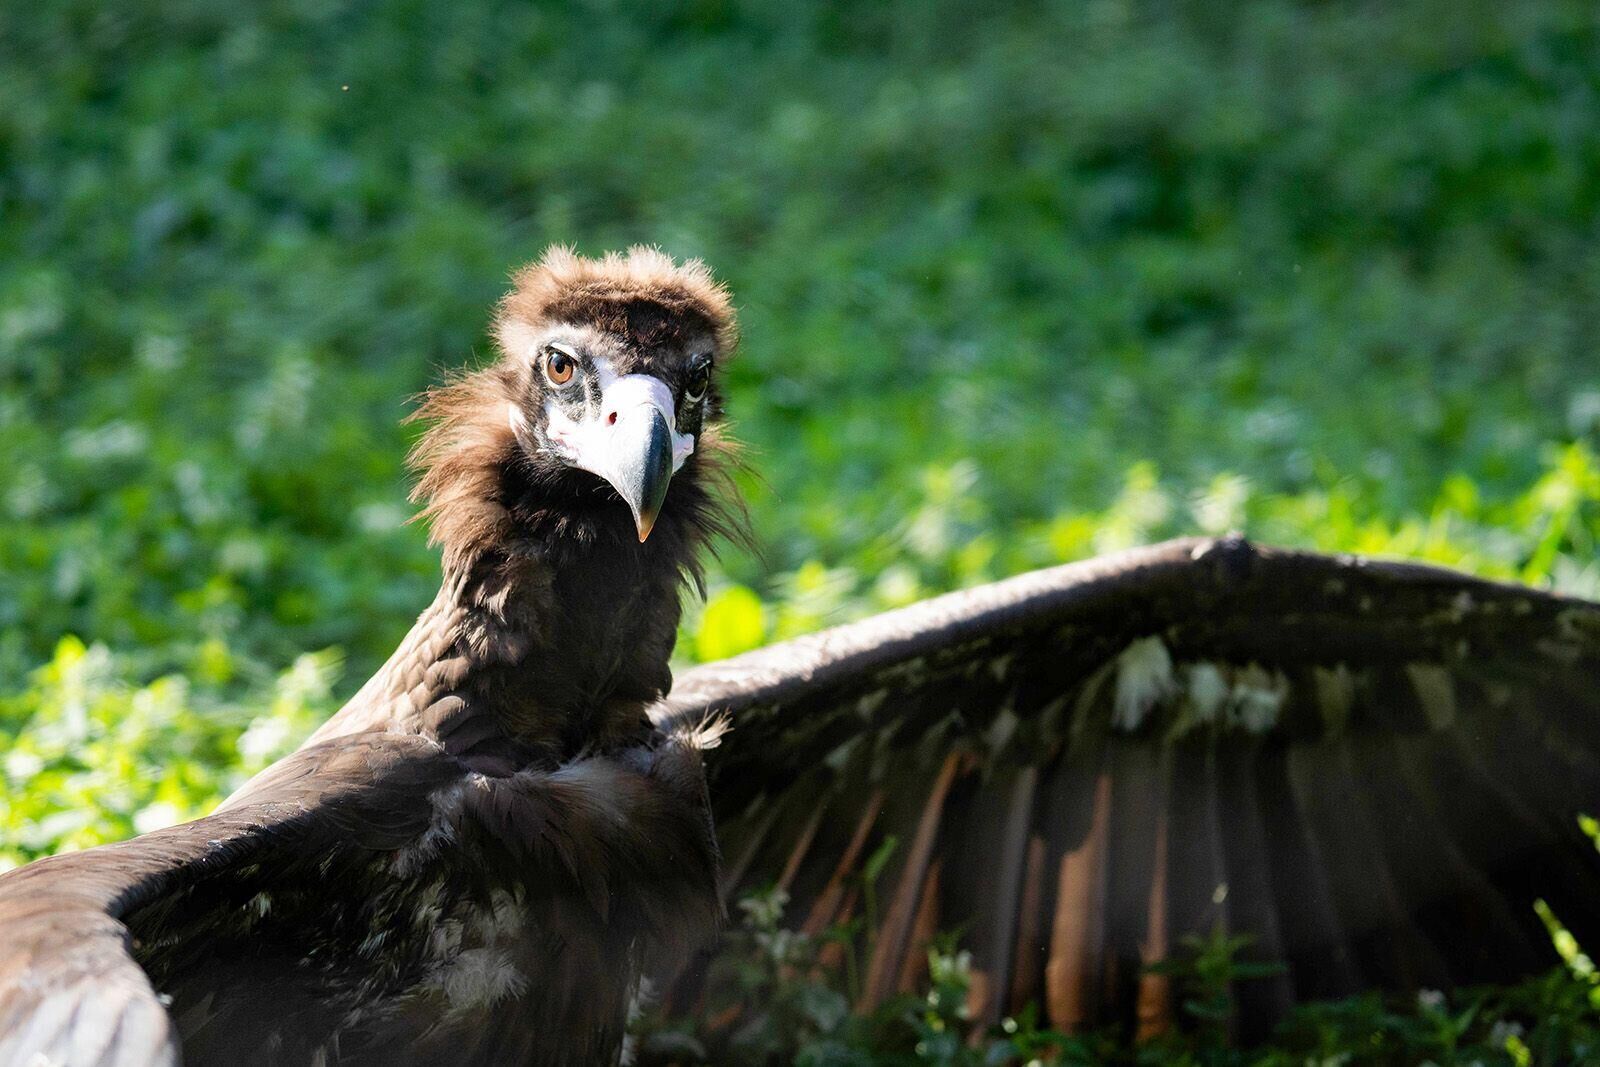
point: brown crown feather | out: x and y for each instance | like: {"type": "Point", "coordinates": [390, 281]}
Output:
{"type": "Point", "coordinates": [642, 296]}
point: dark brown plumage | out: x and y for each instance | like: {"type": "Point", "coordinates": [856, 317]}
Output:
{"type": "Point", "coordinates": [477, 857]}
{"type": "Point", "coordinates": [1372, 769]}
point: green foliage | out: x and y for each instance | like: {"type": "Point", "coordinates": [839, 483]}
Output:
{"type": "Point", "coordinates": [1206, 970]}
{"type": "Point", "coordinates": [88, 756]}
{"type": "Point", "coordinates": [991, 258]}
{"type": "Point", "coordinates": [1021, 282]}
{"type": "Point", "coordinates": [731, 623]}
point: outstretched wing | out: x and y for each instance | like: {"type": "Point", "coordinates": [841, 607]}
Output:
{"type": "Point", "coordinates": [71, 926]}
{"type": "Point", "coordinates": [1373, 769]}
{"type": "Point", "coordinates": [368, 899]}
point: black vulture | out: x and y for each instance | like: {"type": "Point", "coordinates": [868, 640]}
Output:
{"type": "Point", "coordinates": [1372, 768]}
{"type": "Point", "coordinates": [472, 861]}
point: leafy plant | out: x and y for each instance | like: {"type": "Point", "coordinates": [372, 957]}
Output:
{"type": "Point", "coordinates": [772, 999]}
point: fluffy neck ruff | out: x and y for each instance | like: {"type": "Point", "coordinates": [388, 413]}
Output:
{"type": "Point", "coordinates": [482, 493]}
{"type": "Point", "coordinates": [486, 499]}
{"type": "Point", "coordinates": [555, 623]}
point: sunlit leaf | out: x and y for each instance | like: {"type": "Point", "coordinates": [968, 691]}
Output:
{"type": "Point", "coordinates": [733, 622]}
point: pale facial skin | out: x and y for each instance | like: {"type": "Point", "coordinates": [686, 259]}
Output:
{"type": "Point", "coordinates": [634, 429]}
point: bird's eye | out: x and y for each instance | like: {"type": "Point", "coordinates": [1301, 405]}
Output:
{"type": "Point", "coordinates": [559, 367]}
{"type": "Point", "coordinates": [699, 381]}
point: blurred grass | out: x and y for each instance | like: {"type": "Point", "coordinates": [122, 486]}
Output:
{"type": "Point", "coordinates": [1020, 282]}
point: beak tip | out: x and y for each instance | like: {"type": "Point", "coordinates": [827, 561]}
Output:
{"type": "Point", "coordinates": [638, 464]}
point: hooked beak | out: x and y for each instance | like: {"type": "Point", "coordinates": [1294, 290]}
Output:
{"type": "Point", "coordinates": [640, 462]}
{"type": "Point", "coordinates": [629, 441]}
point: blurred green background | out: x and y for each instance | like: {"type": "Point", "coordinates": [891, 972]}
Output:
{"type": "Point", "coordinates": [1020, 282]}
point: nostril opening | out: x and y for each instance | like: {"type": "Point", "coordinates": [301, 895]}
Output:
{"type": "Point", "coordinates": [611, 419]}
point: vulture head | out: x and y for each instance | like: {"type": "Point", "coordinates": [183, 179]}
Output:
{"type": "Point", "coordinates": [599, 421]}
